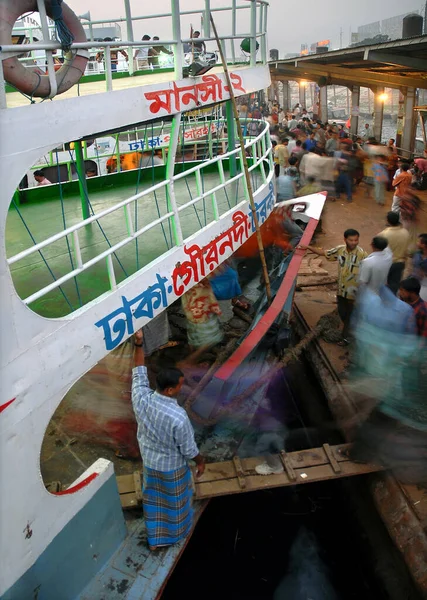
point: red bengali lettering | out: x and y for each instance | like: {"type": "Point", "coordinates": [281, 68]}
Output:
{"type": "Point", "coordinates": [236, 82]}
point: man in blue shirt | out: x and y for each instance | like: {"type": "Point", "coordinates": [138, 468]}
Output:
{"type": "Point", "coordinates": [166, 441]}
{"type": "Point", "coordinates": [311, 143]}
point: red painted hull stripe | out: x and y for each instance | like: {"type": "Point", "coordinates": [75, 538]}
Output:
{"type": "Point", "coordinates": [272, 312]}
{"type": "Point", "coordinates": [78, 486]}
{"type": "Point", "coordinates": [4, 406]}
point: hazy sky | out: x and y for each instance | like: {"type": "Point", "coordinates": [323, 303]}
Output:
{"type": "Point", "coordinates": [290, 23]}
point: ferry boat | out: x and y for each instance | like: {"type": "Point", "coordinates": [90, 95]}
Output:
{"type": "Point", "coordinates": [93, 256]}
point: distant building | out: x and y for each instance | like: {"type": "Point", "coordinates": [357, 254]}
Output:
{"type": "Point", "coordinates": [391, 27]}
{"type": "Point", "coordinates": [369, 31]}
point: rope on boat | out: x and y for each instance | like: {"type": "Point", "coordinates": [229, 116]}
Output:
{"type": "Point", "coordinates": [62, 32]}
{"type": "Point", "coordinates": [61, 197]}
{"type": "Point", "coordinates": [326, 324]}
{"type": "Point", "coordinates": [41, 254]}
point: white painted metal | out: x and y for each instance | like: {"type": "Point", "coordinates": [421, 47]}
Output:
{"type": "Point", "coordinates": [49, 56]}
{"type": "Point", "coordinates": [109, 74]}
{"type": "Point", "coordinates": [129, 33]}
{"type": "Point", "coordinates": [176, 32]}
{"type": "Point", "coordinates": [42, 358]}
{"type": "Point", "coordinates": [3, 99]}
{"type": "Point", "coordinates": [253, 33]}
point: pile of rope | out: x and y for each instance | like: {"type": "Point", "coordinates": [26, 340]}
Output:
{"type": "Point", "coordinates": [324, 329]}
{"type": "Point", "coordinates": [331, 327]}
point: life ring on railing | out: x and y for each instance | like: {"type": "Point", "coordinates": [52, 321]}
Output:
{"type": "Point", "coordinates": [31, 81]}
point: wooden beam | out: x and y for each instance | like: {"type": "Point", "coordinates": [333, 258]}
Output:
{"type": "Point", "coordinates": [305, 466]}
{"type": "Point", "coordinates": [306, 70]}
{"type": "Point", "coordinates": [420, 64]}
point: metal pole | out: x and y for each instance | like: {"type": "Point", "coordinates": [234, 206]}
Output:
{"type": "Point", "coordinates": [245, 164]}
{"type": "Point", "coordinates": [81, 171]}
{"type": "Point", "coordinates": [176, 34]}
{"type": "Point", "coordinates": [253, 33]}
{"type": "Point", "coordinates": [129, 33]}
{"type": "Point", "coordinates": [108, 72]}
{"type": "Point", "coordinates": [206, 20]}
{"type": "Point", "coordinates": [49, 56]}
{"type": "Point", "coordinates": [3, 99]}
{"type": "Point", "coordinates": [262, 27]}
{"type": "Point", "coordinates": [231, 135]}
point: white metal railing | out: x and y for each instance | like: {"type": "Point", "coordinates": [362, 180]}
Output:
{"type": "Point", "coordinates": [261, 152]}
{"type": "Point", "coordinates": [257, 31]}
{"type": "Point", "coordinates": [148, 138]}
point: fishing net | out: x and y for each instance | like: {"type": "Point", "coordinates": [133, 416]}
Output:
{"type": "Point", "coordinates": [98, 410]}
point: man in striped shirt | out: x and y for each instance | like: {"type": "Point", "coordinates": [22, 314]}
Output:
{"type": "Point", "coordinates": [166, 441]}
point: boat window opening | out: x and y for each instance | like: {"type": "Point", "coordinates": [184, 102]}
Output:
{"type": "Point", "coordinates": [125, 194]}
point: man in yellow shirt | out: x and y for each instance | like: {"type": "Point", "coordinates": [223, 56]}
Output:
{"type": "Point", "coordinates": [282, 154]}
{"type": "Point", "coordinates": [349, 256]}
{"type": "Point", "coordinates": [398, 241]}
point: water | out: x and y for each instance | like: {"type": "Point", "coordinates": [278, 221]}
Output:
{"type": "Point", "coordinates": [301, 543]}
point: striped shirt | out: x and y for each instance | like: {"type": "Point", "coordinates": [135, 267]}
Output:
{"type": "Point", "coordinates": [165, 434]}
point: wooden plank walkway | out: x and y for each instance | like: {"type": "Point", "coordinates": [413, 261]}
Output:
{"type": "Point", "coordinates": [307, 466]}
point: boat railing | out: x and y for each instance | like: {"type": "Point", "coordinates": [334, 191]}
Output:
{"type": "Point", "coordinates": [144, 144]}
{"type": "Point", "coordinates": [260, 152]}
{"type": "Point", "coordinates": [257, 30]}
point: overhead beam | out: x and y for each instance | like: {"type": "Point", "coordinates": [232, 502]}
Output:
{"type": "Point", "coordinates": [367, 78]}
{"type": "Point", "coordinates": [396, 59]}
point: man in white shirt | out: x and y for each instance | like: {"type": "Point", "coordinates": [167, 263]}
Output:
{"type": "Point", "coordinates": [41, 179]}
{"type": "Point", "coordinates": [374, 270]}
{"type": "Point", "coordinates": [293, 123]}
{"type": "Point", "coordinates": [292, 142]}
{"type": "Point", "coordinates": [368, 133]}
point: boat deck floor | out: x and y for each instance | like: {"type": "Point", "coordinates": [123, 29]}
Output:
{"type": "Point", "coordinates": [133, 572]}
{"type": "Point", "coordinates": [86, 88]}
{"type": "Point", "coordinates": [44, 219]}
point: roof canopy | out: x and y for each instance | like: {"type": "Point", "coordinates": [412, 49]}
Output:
{"type": "Point", "coordinates": [396, 64]}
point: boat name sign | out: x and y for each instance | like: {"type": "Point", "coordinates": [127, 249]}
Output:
{"type": "Point", "coordinates": [199, 262]}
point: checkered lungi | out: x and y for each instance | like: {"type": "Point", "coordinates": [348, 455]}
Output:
{"type": "Point", "coordinates": [167, 503]}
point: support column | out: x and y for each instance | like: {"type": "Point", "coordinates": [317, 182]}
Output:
{"type": "Point", "coordinates": [286, 104]}
{"type": "Point", "coordinates": [176, 32]}
{"type": "Point", "coordinates": [378, 112]}
{"type": "Point", "coordinates": [81, 172]}
{"type": "Point", "coordinates": [355, 109]}
{"type": "Point", "coordinates": [129, 34]}
{"type": "Point", "coordinates": [409, 121]}
{"type": "Point", "coordinates": [302, 99]}
{"type": "Point", "coordinates": [323, 104]}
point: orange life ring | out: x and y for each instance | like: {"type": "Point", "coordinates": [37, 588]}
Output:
{"type": "Point", "coordinates": [30, 81]}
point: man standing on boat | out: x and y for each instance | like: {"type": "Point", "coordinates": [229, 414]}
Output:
{"type": "Point", "coordinates": [166, 441]}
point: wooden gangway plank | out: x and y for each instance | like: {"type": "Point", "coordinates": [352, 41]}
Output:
{"type": "Point", "coordinates": [305, 466]}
